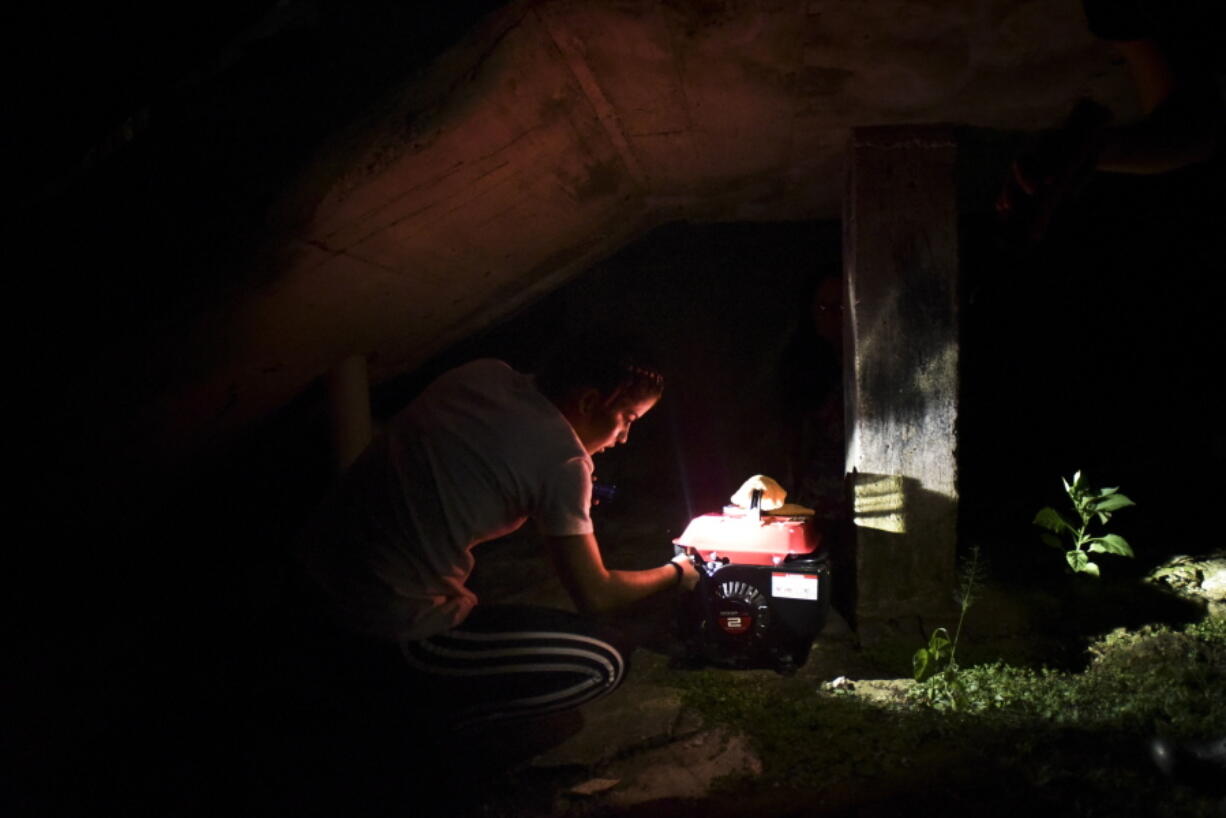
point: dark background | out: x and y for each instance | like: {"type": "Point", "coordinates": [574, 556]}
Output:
{"type": "Point", "coordinates": [1098, 351]}
{"type": "Point", "coordinates": [139, 599]}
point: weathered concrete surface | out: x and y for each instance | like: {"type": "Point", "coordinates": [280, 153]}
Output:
{"type": "Point", "coordinates": [1198, 578]}
{"type": "Point", "coordinates": [901, 270]}
{"type": "Point", "coordinates": [685, 769]}
{"type": "Point", "coordinates": [560, 130]}
{"type": "Point", "coordinates": [633, 717]}
{"type": "Point", "coordinates": [640, 745]}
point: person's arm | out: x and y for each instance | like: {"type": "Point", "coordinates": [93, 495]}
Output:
{"type": "Point", "coordinates": [597, 589]}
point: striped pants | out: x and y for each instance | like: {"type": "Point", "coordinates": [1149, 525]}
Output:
{"type": "Point", "coordinates": [508, 662]}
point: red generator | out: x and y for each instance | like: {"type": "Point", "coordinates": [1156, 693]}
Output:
{"type": "Point", "coordinates": [763, 592]}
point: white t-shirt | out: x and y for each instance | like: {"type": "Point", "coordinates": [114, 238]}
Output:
{"type": "Point", "coordinates": [475, 455]}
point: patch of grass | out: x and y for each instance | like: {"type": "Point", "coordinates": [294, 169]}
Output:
{"type": "Point", "coordinates": [1061, 742]}
{"type": "Point", "coordinates": [1170, 681]}
{"type": "Point", "coordinates": [810, 740]}
{"type": "Point", "coordinates": [1156, 679]}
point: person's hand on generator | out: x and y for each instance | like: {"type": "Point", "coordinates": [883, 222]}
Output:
{"type": "Point", "coordinates": [688, 578]}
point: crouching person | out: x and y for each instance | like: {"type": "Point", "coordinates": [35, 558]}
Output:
{"type": "Point", "coordinates": [481, 451]}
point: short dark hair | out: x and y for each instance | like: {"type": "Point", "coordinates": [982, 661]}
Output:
{"type": "Point", "coordinates": [616, 367]}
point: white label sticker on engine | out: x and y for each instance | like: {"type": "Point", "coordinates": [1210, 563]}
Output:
{"type": "Point", "coordinates": [794, 586]}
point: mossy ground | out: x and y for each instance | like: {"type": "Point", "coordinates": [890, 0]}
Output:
{"type": "Point", "coordinates": [1069, 680]}
{"type": "Point", "coordinates": [1028, 738]}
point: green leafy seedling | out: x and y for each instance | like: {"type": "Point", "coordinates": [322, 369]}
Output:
{"type": "Point", "coordinates": [937, 662]}
{"type": "Point", "coordinates": [1089, 505]}
{"type": "Point", "coordinates": [927, 660]}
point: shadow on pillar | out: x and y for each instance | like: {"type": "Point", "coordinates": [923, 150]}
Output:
{"type": "Point", "coordinates": [903, 570]}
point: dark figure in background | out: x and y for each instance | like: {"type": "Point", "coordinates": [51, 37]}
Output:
{"type": "Point", "coordinates": [812, 394]}
{"type": "Point", "coordinates": [1175, 51]}
{"type": "Point", "coordinates": [479, 452]}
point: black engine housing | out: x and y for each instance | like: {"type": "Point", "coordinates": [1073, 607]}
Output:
{"type": "Point", "coordinates": [732, 618]}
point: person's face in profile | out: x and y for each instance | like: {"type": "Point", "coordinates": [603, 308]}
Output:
{"type": "Point", "coordinates": [601, 426]}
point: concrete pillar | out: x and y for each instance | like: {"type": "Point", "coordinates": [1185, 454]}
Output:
{"type": "Point", "coordinates": [349, 410]}
{"type": "Point", "coordinates": [900, 224]}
